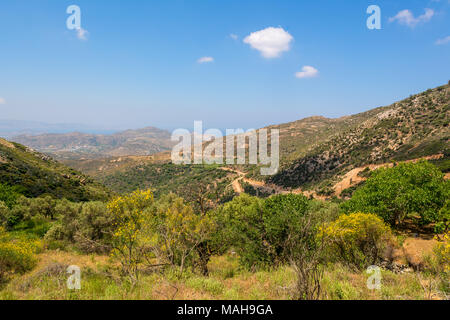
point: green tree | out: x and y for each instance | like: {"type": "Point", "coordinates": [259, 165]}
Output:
{"type": "Point", "coordinates": [9, 195]}
{"type": "Point", "coordinates": [405, 190]}
{"type": "Point", "coordinates": [259, 230]}
{"type": "Point", "coordinates": [131, 242]}
{"type": "Point", "coordinates": [357, 239]}
{"type": "Point", "coordinates": [180, 231]}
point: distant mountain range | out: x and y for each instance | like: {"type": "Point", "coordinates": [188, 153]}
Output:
{"type": "Point", "coordinates": [12, 128]}
{"type": "Point", "coordinates": [73, 146]}
{"type": "Point", "coordinates": [317, 152]}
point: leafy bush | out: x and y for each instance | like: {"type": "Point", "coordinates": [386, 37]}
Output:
{"type": "Point", "coordinates": [443, 253]}
{"type": "Point", "coordinates": [240, 227]}
{"type": "Point", "coordinates": [182, 236]}
{"type": "Point", "coordinates": [9, 195]}
{"type": "Point", "coordinates": [405, 190]}
{"type": "Point", "coordinates": [68, 221]}
{"type": "Point", "coordinates": [16, 256]}
{"type": "Point", "coordinates": [4, 213]}
{"type": "Point", "coordinates": [88, 226]}
{"type": "Point", "coordinates": [130, 242]}
{"type": "Point", "coordinates": [358, 239]}
{"type": "Point", "coordinates": [444, 219]}
{"type": "Point", "coordinates": [259, 229]}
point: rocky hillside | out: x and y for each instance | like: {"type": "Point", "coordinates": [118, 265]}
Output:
{"type": "Point", "coordinates": [37, 174]}
{"type": "Point", "coordinates": [317, 152]}
{"type": "Point", "coordinates": [76, 146]}
{"type": "Point", "coordinates": [413, 128]}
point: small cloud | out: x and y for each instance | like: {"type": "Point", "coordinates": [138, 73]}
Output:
{"type": "Point", "coordinates": [406, 17]}
{"type": "Point", "coordinates": [443, 41]}
{"type": "Point", "coordinates": [82, 34]}
{"type": "Point", "coordinates": [271, 42]}
{"type": "Point", "coordinates": [307, 72]}
{"type": "Point", "coordinates": [205, 60]}
{"type": "Point", "coordinates": [2, 100]}
{"type": "Point", "coordinates": [234, 36]}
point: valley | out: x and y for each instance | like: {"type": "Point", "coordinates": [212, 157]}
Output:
{"type": "Point", "coordinates": [225, 232]}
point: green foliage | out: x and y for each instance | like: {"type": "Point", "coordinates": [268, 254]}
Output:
{"type": "Point", "coordinates": [38, 175]}
{"type": "Point", "coordinates": [4, 213]}
{"type": "Point", "coordinates": [131, 242]}
{"type": "Point", "coordinates": [182, 235]}
{"type": "Point", "coordinates": [9, 195]}
{"type": "Point", "coordinates": [444, 219]}
{"type": "Point", "coordinates": [358, 239]}
{"type": "Point", "coordinates": [88, 226]}
{"type": "Point", "coordinates": [169, 178]}
{"type": "Point", "coordinates": [405, 190]}
{"type": "Point", "coordinates": [152, 234]}
{"type": "Point", "coordinates": [16, 256]}
{"type": "Point", "coordinates": [259, 230]}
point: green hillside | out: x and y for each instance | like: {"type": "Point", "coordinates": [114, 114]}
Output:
{"type": "Point", "coordinates": [185, 181]}
{"type": "Point", "coordinates": [37, 174]}
{"type": "Point", "coordinates": [410, 129]}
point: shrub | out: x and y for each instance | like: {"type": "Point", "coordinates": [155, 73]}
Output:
{"type": "Point", "coordinates": [358, 239]}
{"type": "Point", "coordinates": [130, 241]}
{"type": "Point", "coordinates": [68, 221]}
{"type": "Point", "coordinates": [94, 228]}
{"type": "Point", "coordinates": [9, 195]}
{"type": "Point", "coordinates": [89, 226]}
{"type": "Point", "coordinates": [4, 213]}
{"type": "Point", "coordinates": [407, 189]}
{"type": "Point", "coordinates": [444, 219]}
{"type": "Point", "coordinates": [259, 230]}
{"type": "Point", "coordinates": [441, 262]}
{"type": "Point", "coordinates": [43, 206]}
{"type": "Point", "coordinates": [240, 227]}
{"type": "Point", "coordinates": [16, 256]}
{"type": "Point", "coordinates": [442, 252]}
{"type": "Point", "coordinates": [183, 236]}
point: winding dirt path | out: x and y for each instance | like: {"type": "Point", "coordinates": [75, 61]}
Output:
{"type": "Point", "coordinates": [350, 179]}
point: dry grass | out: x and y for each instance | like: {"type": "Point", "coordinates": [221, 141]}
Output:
{"type": "Point", "coordinates": [100, 281]}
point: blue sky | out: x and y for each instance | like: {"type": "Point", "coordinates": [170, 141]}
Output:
{"type": "Point", "coordinates": [139, 62]}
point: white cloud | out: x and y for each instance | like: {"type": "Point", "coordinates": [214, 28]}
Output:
{"type": "Point", "coordinates": [2, 100]}
{"type": "Point", "coordinates": [205, 60]}
{"type": "Point", "coordinates": [307, 72]}
{"type": "Point", "coordinates": [82, 34]}
{"type": "Point", "coordinates": [234, 36]}
{"type": "Point", "coordinates": [271, 42]}
{"type": "Point", "coordinates": [443, 41]}
{"type": "Point", "coordinates": [406, 17]}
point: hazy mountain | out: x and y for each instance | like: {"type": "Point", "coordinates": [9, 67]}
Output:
{"type": "Point", "coordinates": [77, 145]}
{"type": "Point", "coordinates": [11, 128]}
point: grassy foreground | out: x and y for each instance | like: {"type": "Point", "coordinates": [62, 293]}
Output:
{"type": "Point", "coordinates": [100, 281]}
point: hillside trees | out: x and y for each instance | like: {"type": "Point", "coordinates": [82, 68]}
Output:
{"type": "Point", "coordinates": [261, 231]}
{"type": "Point", "coordinates": [9, 195]}
{"type": "Point", "coordinates": [406, 190]}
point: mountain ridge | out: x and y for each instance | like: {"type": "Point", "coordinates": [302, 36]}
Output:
{"type": "Point", "coordinates": [76, 145]}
